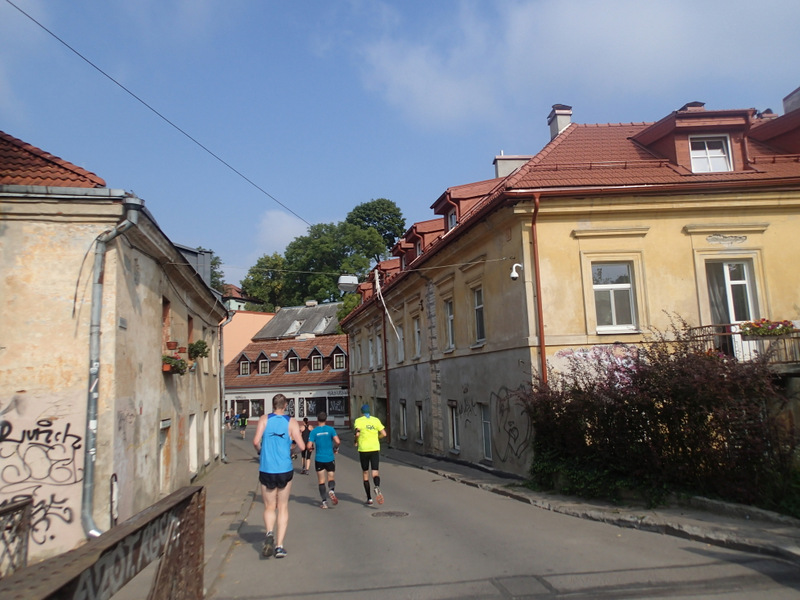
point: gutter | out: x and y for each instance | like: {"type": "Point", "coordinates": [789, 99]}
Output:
{"type": "Point", "coordinates": [221, 359]}
{"type": "Point", "coordinates": [538, 284]}
{"type": "Point", "coordinates": [133, 206]}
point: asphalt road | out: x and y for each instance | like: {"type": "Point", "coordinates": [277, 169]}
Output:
{"type": "Point", "coordinates": [435, 539]}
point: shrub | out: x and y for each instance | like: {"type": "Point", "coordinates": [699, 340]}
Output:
{"type": "Point", "coordinates": [198, 349]}
{"type": "Point", "coordinates": [664, 416]}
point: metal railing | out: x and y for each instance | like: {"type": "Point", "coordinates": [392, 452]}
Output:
{"type": "Point", "coordinates": [726, 339]}
{"type": "Point", "coordinates": [171, 531]}
{"type": "Point", "coordinates": [15, 524]}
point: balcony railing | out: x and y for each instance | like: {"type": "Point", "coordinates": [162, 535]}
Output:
{"type": "Point", "coordinates": [727, 339]}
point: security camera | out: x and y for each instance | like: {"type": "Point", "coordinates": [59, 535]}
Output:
{"type": "Point", "coordinates": [514, 274]}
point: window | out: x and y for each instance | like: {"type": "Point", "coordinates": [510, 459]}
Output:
{"type": "Point", "coordinates": [294, 364]}
{"type": "Point", "coordinates": [455, 443]}
{"type": "Point", "coordinates": [418, 248]}
{"type": "Point", "coordinates": [379, 349]}
{"type": "Point", "coordinates": [449, 325]}
{"type": "Point", "coordinates": [403, 420]}
{"type": "Point", "coordinates": [613, 297]}
{"type": "Point", "coordinates": [401, 350]}
{"type": "Point", "coordinates": [710, 154]}
{"type": "Point", "coordinates": [371, 350]}
{"type": "Point", "coordinates": [417, 337]}
{"type": "Point", "coordinates": [419, 422]}
{"type": "Point", "coordinates": [480, 332]}
{"type": "Point", "coordinates": [730, 291]}
{"type": "Point", "coordinates": [316, 363]}
{"type": "Point", "coordinates": [486, 423]}
{"type": "Point", "coordinates": [263, 367]}
{"type": "Point", "coordinates": [338, 361]}
{"type": "Point", "coordinates": [451, 219]}
{"type": "Point", "coordinates": [244, 368]}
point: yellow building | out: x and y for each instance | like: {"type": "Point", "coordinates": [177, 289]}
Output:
{"type": "Point", "coordinates": [609, 231]}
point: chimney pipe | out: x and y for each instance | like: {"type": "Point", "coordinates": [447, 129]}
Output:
{"type": "Point", "coordinates": [559, 119]}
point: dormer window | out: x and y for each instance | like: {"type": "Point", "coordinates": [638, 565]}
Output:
{"type": "Point", "coordinates": [294, 364]}
{"type": "Point", "coordinates": [316, 363]}
{"type": "Point", "coordinates": [418, 248]}
{"type": "Point", "coordinates": [710, 154]}
{"type": "Point", "coordinates": [263, 367]}
{"type": "Point", "coordinates": [244, 368]}
{"type": "Point", "coordinates": [451, 220]}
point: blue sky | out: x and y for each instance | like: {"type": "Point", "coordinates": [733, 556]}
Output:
{"type": "Point", "coordinates": [323, 105]}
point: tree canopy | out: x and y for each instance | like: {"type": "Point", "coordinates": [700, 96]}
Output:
{"type": "Point", "coordinates": [382, 215]}
{"type": "Point", "coordinates": [309, 268]}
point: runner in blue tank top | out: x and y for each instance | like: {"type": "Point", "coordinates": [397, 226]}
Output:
{"type": "Point", "coordinates": [273, 441]}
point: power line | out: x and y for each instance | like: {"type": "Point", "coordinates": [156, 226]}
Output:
{"type": "Point", "coordinates": [161, 116]}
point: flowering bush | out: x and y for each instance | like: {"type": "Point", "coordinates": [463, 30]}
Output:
{"type": "Point", "coordinates": [176, 363]}
{"type": "Point", "coordinates": [767, 327]}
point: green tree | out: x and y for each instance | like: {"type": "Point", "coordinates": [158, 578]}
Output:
{"type": "Point", "coordinates": [384, 216]}
{"type": "Point", "coordinates": [349, 303]}
{"type": "Point", "coordinates": [217, 276]}
{"type": "Point", "coordinates": [265, 281]}
{"type": "Point", "coordinates": [315, 261]}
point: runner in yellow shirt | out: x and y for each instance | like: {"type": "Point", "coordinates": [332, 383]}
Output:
{"type": "Point", "coordinates": [368, 432]}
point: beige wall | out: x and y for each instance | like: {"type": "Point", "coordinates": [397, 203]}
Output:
{"type": "Point", "coordinates": [240, 331]}
{"type": "Point", "coordinates": [46, 256]}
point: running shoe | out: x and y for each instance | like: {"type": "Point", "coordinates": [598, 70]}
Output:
{"type": "Point", "coordinates": [368, 502]}
{"type": "Point", "coordinates": [280, 552]}
{"type": "Point", "coordinates": [332, 496]}
{"type": "Point", "coordinates": [378, 496]}
{"type": "Point", "coordinates": [269, 546]}
{"type": "Point", "coordinates": [323, 504]}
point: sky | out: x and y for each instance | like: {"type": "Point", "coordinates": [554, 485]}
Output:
{"type": "Point", "coordinates": [242, 122]}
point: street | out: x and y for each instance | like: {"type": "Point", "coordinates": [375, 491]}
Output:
{"type": "Point", "coordinates": [435, 538]}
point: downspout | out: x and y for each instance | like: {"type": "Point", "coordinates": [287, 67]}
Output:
{"type": "Point", "coordinates": [221, 360]}
{"type": "Point", "coordinates": [133, 206]}
{"type": "Point", "coordinates": [386, 378]}
{"type": "Point", "coordinates": [538, 284]}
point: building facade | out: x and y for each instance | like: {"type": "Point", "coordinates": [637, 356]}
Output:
{"type": "Point", "coordinates": [298, 354]}
{"type": "Point", "coordinates": [609, 231]}
{"type": "Point", "coordinates": [91, 425]}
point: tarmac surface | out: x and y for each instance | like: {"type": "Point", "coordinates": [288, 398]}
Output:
{"type": "Point", "coordinates": [230, 494]}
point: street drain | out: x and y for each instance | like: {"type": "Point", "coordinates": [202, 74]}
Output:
{"type": "Point", "coordinates": [390, 513]}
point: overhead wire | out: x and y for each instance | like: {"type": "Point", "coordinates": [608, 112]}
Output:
{"type": "Point", "coordinates": [160, 115]}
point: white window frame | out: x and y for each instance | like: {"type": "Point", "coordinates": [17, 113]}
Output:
{"type": "Point", "coordinates": [455, 438]}
{"type": "Point", "coordinates": [479, 314]}
{"type": "Point", "coordinates": [293, 364]}
{"type": "Point", "coordinates": [452, 219]}
{"type": "Point", "coordinates": [261, 366]}
{"type": "Point", "coordinates": [449, 310]}
{"type": "Point", "coordinates": [417, 324]}
{"type": "Point", "coordinates": [316, 362]}
{"type": "Point", "coordinates": [244, 367]}
{"type": "Point", "coordinates": [639, 307]}
{"type": "Point", "coordinates": [486, 427]}
{"type": "Point", "coordinates": [709, 161]}
{"type": "Point", "coordinates": [371, 352]}
{"type": "Point", "coordinates": [401, 344]}
{"type": "Point", "coordinates": [379, 350]}
{"type": "Point", "coordinates": [339, 363]}
{"type": "Point", "coordinates": [403, 420]}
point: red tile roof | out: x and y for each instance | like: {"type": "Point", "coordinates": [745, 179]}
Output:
{"type": "Point", "coordinates": [23, 164]}
{"type": "Point", "coordinates": [279, 376]}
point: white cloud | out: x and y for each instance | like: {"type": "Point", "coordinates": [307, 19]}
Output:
{"type": "Point", "coordinates": [489, 60]}
{"type": "Point", "coordinates": [275, 230]}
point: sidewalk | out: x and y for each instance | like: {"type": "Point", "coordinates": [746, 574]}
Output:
{"type": "Point", "coordinates": [232, 487]}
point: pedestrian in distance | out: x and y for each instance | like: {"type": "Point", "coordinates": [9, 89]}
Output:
{"type": "Point", "coordinates": [368, 432]}
{"type": "Point", "coordinates": [305, 430]}
{"type": "Point", "coordinates": [243, 423]}
{"type": "Point", "coordinates": [273, 441]}
{"type": "Point", "coordinates": [325, 441]}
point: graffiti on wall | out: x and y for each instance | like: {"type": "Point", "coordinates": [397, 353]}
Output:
{"type": "Point", "coordinates": [513, 430]}
{"type": "Point", "coordinates": [42, 462]}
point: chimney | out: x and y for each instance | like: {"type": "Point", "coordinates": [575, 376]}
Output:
{"type": "Point", "coordinates": [791, 102]}
{"type": "Point", "coordinates": [505, 165]}
{"type": "Point", "coordinates": [559, 118]}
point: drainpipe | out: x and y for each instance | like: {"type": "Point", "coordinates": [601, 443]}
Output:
{"type": "Point", "coordinates": [386, 377]}
{"type": "Point", "coordinates": [538, 283]}
{"type": "Point", "coordinates": [133, 206]}
{"type": "Point", "coordinates": [221, 359]}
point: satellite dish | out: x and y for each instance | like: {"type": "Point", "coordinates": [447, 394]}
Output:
{"type": "Point", "coordinates": [348, 283]}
